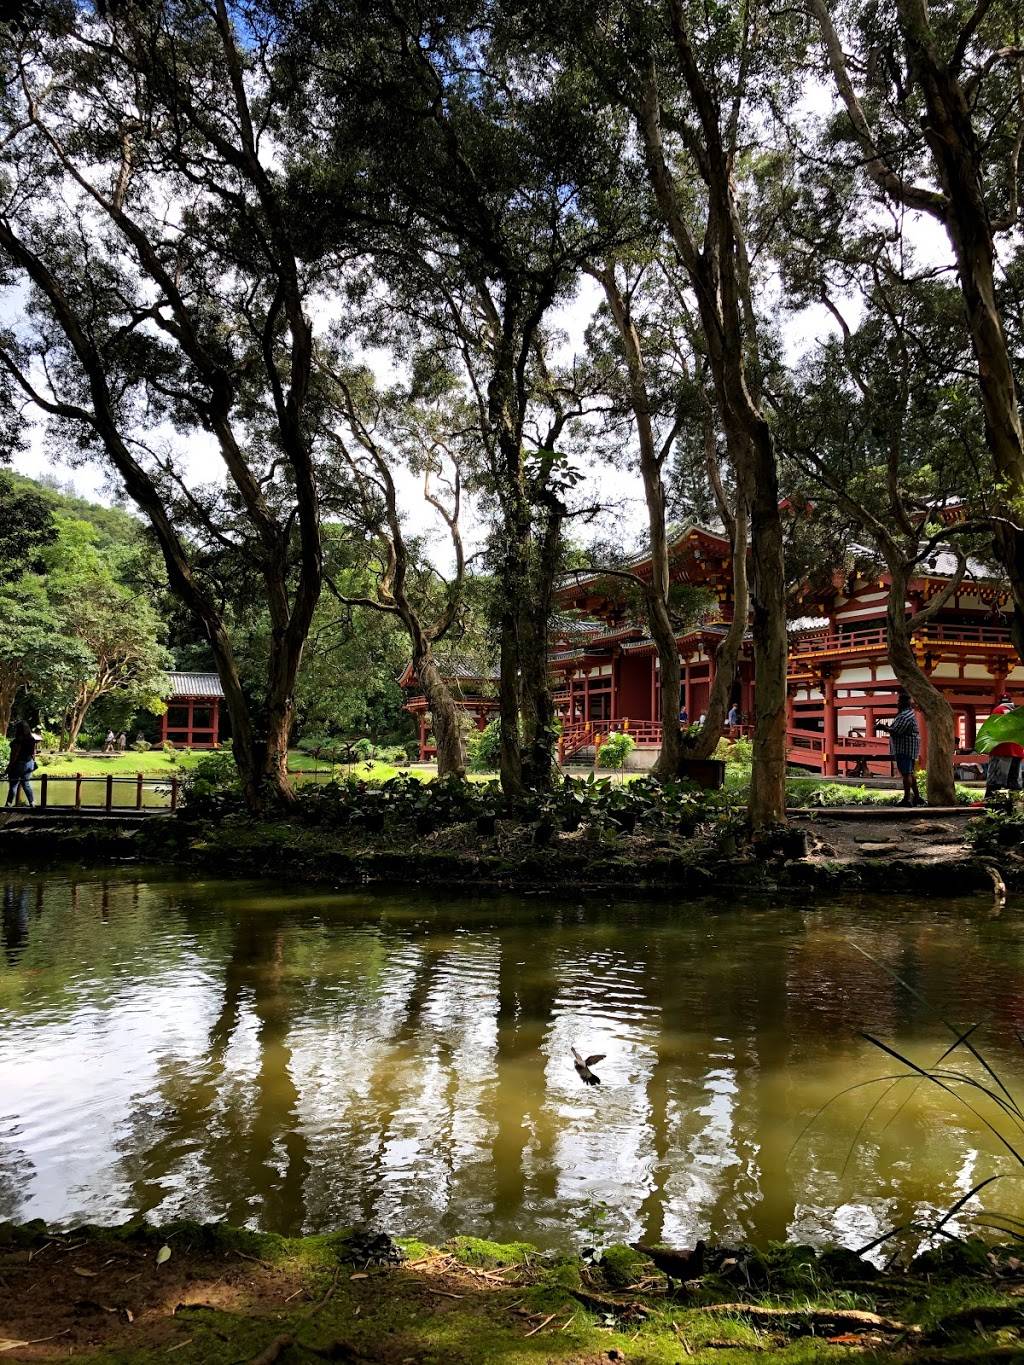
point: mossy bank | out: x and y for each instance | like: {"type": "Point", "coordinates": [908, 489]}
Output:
{"type": "Point", "coordinates": [216, 1295]}
{"type": "Point", "coordinates": [922, 855]}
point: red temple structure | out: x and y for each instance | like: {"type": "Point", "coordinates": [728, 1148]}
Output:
{"type": "Point", "coordinates": [473, 690]}
{"type": "Point", "coordinates": [605, 670]}
{"type": "Point", "coordinates": [192, 718]}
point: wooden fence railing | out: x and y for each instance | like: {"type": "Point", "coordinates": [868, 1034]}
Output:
{"type": "Point", "coordinates": [85, 796]}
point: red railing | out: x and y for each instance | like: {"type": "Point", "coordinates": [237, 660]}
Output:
{"type": "Point", "coordinates": [832, 642]}
{"type": "Point", "coordinates": [586, 734]}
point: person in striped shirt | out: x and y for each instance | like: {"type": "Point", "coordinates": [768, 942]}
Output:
{"type": "Point", "coordinates": [905, 745]}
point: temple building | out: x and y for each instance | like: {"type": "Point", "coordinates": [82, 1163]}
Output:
{"type": "Point", "coordinates": [192, 718]}
{"type": "Point", "coordinates": [605, 673]}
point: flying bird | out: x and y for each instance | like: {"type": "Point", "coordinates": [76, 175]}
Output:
{"type": "Point", "coordinates": [583, 1067]}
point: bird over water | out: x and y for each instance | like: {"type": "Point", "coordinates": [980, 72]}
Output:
{"type": "Point", "coordinates": [583, 1066]}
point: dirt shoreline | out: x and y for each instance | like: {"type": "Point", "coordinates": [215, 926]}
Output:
{"type": "Point", "coordinates": [215, 1294]}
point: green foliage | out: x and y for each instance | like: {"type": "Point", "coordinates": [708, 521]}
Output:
{"type": "Point", "coordinates": [212, 786]}
{"type": "Point", "coordinates": [615, 750]}
{"type": "Point", "coordinates": [1001, 827]}
{"type": "Point", "coordinates": [5, 753]}
{"type": "Point", "coordinates": [26, 525]}
{"type": "Point", "coordinates": [735, 751]}
{"type": "Point", "coordinates": [483, 748]}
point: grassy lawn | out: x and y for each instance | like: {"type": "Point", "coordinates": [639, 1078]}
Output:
{"type": "Point", "coordinates": [158, 764]}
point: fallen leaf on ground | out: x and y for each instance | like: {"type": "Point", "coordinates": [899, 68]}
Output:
{"type": "Point", "coordinates": [164, 1254]}
{"type": "Point", "coordinates": [359, 1275]}
{"type": "Point", "coordinates": [85, 1274]}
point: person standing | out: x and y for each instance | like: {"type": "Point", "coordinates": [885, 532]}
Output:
{"type": "Point", "coordinates": [905, 745]}
{"type": "Point", "coordinates": [108, 743]}
{"type": "Point", "coordinates": [1004, 762]}
{"type": "Point", "coordinates": [22, 764]}
{"type": "Point", "coordinates": [733, 719]}
{"type": "Point", "coordinates": [122, 742]}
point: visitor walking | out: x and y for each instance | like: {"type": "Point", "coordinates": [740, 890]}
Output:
{"type": "Point", "coordinates": [1004, 761]}
{"type": "Point", "coordinates": [905, 745]}
{"type": "Point", "coordinates": [22, 763]}
{"type": "Point", "coordinates": [122, 742]}
{"type": "Point", "coordinates": [108, 743]}
{"type": "Point", "coordinates": [733, 719]}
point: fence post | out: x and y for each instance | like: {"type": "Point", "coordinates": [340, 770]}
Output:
{"type": "Point", "coordinates": [78, 791]}
{"type": "Point", "coordinates": [174, 793]}
{"type": "Point", "coordinates": [42, 792]}
{"type": "Point", "coordinates": [110, 792]}
{"type": "Point", "coordinates": [138, 791]}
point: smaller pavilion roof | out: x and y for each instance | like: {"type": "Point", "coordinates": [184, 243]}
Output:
{"type": "Point", "coordinates": [190, 685]}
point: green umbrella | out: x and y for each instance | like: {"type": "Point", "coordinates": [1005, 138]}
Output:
{"type": "Point", "coordinates": [1007, 728]}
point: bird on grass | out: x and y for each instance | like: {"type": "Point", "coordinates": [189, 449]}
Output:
{"type": "Point", "coordinates": [676, 1263]}
{"type": "Point", "coordinates": [583, 1066]}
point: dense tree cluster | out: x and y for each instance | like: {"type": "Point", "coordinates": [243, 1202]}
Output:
{"type": "Point", "coordinates": [322, 250]}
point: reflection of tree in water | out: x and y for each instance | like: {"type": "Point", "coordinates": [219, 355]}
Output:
{"type": "Point", "coordinates": [15, 921]}
{"type": "Point", "coordinates": [236, 1135]}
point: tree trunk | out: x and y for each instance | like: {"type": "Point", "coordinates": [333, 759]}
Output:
{"type": "Point", "coordinates": [8, 692]}
{"type": "Point", "coordinates": [957, 156]}
{"type": "Point", "coordinates": [74, 721]}
{"type": "Point", "coordinates": [767, 803]}
{"type": "Point", "coordinates": [705, 740]}
{"type": "Point", "coordinates": [937, 711]}
{"type": "Point", "coordinates": [718, 283]}
{"type": "Point", "coordinates": [538, 708]}
{"type": "Point", "coordinates": [663, 633]}
{"type": "Point", "coordinates": [445, 715]}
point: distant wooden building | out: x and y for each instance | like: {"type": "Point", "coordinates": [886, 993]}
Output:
{"type": "Point", "coordinates": [192, 718]}
{"type": "Point", "coordinates": [474, 692]}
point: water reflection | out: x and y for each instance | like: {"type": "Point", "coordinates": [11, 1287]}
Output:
{"type": "Point", "coordinates": [302, 1061]}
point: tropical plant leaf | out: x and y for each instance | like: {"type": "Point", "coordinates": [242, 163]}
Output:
{"type": "Point", "coordinates": [1007, 728]}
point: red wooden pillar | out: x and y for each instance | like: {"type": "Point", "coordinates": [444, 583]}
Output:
{"type": "Point", "coordinates": [616, 663]}
{"type": "Point", "coordinates": [215, 721]}
{"type": "Point", "coordinates": [831, 737]}
{"type": "Point", "coordinates": [191, 721]}
{"type": "Point", "coordinates": [423, 736]}
{"type": "Point", "coordinates": [654, 687]}
{"type": "Point", "coordinates": [586, 696]}
{"type": "Point", "coordinates": [869, 722]}
{"type": "Point", "coordinates": [688, 693]}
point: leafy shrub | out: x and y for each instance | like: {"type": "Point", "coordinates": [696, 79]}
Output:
{"type": "Point", "coordinates": [142, 746]}
{"type": "Point", "coordinates": [735, 752]}
{"type": "Point", "coordinates": [1001, 826]}
{"type": "Point", "coordinates": [5, 753]}
{"type": "Point", "coordinates": [392, 753]}
{"type": "Point", "coordinates": [615, 750]}
{"type": "Point", "coordinates": [364, 749]}
{"type": "Point", "coordinates": [213, 786]}
{"type": "Point", "coordinates": [483, 748]}
{"type": "Point", "coordinates": [49, 740]}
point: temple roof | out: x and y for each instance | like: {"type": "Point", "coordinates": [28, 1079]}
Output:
{"type": "Point", "coordinates": [189, 685]}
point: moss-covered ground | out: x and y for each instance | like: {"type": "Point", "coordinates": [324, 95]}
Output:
{"type": "Point", "coordinates": [225, 1296]}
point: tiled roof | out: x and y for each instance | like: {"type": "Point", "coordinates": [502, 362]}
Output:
{"type": "Point", "coordinates": [195, 685]}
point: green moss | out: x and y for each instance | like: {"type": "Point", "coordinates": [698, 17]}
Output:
{"type": "Point", "coordinates": [623, 1266]}
{"type": "Point", "coordinates": [478, 1251]}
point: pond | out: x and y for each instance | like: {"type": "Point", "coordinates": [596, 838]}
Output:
{"type": "Point", "coordinates": [297, 1059]}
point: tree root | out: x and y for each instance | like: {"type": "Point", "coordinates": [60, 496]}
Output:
{"type": "Point", "coordinates": [842, 1319]}
{"type": "Point", "coordinates": [272, 1350]}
